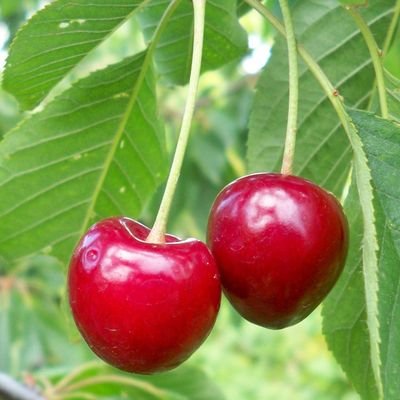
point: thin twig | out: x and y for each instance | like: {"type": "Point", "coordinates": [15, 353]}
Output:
{"type": "Point", "coordinates": [10, 389]}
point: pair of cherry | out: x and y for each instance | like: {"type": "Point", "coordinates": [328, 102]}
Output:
{"type": "Point", "coordinates": [278, 244]}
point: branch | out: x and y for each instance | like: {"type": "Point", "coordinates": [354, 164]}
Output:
{"type": "Point", "coordinates": [10, 389]}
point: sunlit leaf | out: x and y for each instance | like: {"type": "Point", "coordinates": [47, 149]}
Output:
{"type": "Point", "coordinates": [95, 151]}
{"type": "Point", "coordinates": [55, 40]}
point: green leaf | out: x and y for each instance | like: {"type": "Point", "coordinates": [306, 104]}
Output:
{"type": "Point", "coordinates": [344, 311]}
{"type": "Point", "coordinates": [95, 151]}
{"type": "Point", "coordinates": [369, 247]}
{"type": "Point", "coordinates": [381, 140]}
{"type": "Point", "coordinates": [323, 152]}
{"type": "Point", "coordinates": [345, 329]}
{"type": "Point", "coordinates": [224, 39]}
{"type": "Point", "coordinates": [55, 40]}
{"type": "Point", "coordinates": [100, 381]}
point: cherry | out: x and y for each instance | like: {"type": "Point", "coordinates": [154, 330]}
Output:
{"type": "Point", "coordinates": [280, 243]}
{"type": "Point", "coordinates": [140, 306]}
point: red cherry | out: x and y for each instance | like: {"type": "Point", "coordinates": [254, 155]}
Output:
{"type": "Point", "coordinates": [142, 307]}
{"type": "Point", "coordinates": [280, 243]}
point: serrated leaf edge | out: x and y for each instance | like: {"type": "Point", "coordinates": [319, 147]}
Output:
{"type": "Point", "coordinates": [4, 77]}
{"type": "Point", "coordinates": [370, 248]}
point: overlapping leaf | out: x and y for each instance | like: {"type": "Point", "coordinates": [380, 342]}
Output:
{"type": "Point", "coordinates": [381, 139]}
{"type": "Point", "coordinates": [97, 150]}
{"type": "Point", "coordinates": [224, 39]}
{"type": "Point", "coordinates": [323, 153]}
{"type": "Point", "coordinates": [344, 311]}
{"type": "Point", "coordinates": [55, 40]}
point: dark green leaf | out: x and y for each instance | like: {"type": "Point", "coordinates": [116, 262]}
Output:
{"type": "Point", "coordinates": [224, 39]}
{"type": "Point", "coordinates": [344, 312]}
{"type": "Point", "coordinates": [381, 139]}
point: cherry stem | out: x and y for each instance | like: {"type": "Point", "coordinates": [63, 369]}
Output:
{"type": "Point", "coordinates": [290, 142]}
{"type": "Point", "coordinates": [157, 234]}
{"type": "Point", "coordinates": [376, 57]}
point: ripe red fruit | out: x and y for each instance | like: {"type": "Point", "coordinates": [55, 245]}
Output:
{"type": "Point", "coordinates": [280, 243]}
{"type": "Point", "coordinates": [142, 307]}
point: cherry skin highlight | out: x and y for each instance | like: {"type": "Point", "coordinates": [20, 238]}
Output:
{"type": "Point", "coordinates": [280, 243]}
{"type": "Point", "coordinates": [142, 307]}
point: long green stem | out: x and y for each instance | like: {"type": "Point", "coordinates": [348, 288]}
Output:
{"type": "Point", "coordinates": [157, 234]}
{"type": "Point", "coordinates": [290, 142]}
{"type": "Point", "coordinates": [375, 56]}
